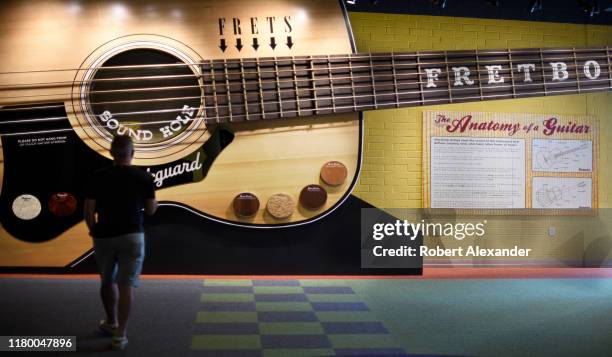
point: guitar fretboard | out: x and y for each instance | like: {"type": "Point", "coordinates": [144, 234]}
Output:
{"type": "Point", "coordinates": [285, 87]}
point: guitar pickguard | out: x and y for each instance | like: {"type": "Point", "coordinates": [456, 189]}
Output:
{"type": "Point", "coordinates": [41, 170]}
{"type": "Point", "coordinates": [42, 165]}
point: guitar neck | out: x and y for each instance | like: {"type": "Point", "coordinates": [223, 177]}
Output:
{"type": "Point", "coordinates": [285, 87]}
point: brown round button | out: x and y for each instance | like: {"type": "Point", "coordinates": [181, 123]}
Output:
{"type": "Point", "coordinates": [333, 173]}
{"type": "Point", "coordinates": [62, 204]}
{"type": "Point", "coordinates": [246, 204]}
{"type": "Point", "coordinates": [313, 197]}
{"type": "Point", "coordinates": [280, 206]}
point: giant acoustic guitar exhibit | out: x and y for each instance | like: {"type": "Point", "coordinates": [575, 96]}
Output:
{"type": "Point", "coordinates": [246, 113]}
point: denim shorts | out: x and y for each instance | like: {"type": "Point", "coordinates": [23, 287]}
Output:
{"type": "Point", "coordinates": [120, 258]}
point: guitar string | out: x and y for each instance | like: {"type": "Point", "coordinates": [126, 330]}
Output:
{"type": "Point", "coordinates": [350, 109]}
{"type": "Point", "coordinates": [335, 57]}
{"type": "Point", "coordinates": [362, 95]}
{"type": "Point", "coordinates": [243, 104]}
{"type": "Point", "coordinates": [365, 106]}
{"type": "Point", "coordinates": [288, 70]}
{"type": "Point", "coordinates": [293, 81]}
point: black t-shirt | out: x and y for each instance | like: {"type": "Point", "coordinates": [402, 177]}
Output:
{"type": "Point", "coordinates": [120, 192]}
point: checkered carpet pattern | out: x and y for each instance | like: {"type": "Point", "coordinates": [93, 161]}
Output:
{"type": "Point", "coordinates": [287, 318]}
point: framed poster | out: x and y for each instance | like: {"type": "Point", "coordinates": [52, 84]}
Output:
{"type": "Point", "coordinates": [510, 163]}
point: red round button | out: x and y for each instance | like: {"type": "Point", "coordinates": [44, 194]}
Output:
{"type": "Point", "coordinates": [246, 204]}
{"type": "Point", "coordinates": [62, 204]}
{"type": "Point", "coordinates": [313, 197]}
{"type": "Point", "coordinates": [333, 173]}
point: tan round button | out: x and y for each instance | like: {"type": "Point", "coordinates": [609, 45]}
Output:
{"type": "Point", "coordinates": [313, 197]}
{"type": "Point", "coordinates": [246, 204]}
{"type": "Point", "coordinates": [333, 173]}
{"type": "Point", "coordinates": [280, 206]}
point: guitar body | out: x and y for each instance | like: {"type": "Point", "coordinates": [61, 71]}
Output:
{"type": "Point", "coordinates": [200, 167]}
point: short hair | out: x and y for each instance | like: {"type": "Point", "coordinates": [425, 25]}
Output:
{"type": "Point", "coordinates": [122, 147]}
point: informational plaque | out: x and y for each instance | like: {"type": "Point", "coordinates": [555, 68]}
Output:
{"type": "Point", "coordinates": [510, 162]}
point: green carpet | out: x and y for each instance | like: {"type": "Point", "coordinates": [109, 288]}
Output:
{"type": "Point", "coordinates": [505, 317]}
{"type": "Point", "coordinates": [287, 318]}
{"type": "Point", "coordinates": [531, 317]}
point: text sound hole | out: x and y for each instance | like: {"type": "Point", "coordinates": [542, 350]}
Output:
{"type": "Point", "coordinates": [152, 110]}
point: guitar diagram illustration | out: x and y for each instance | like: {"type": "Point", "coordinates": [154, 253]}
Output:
{"type": "Point", "coordinates": [563, 193]}
{"type": "Point", "coordinates": [562, 155]}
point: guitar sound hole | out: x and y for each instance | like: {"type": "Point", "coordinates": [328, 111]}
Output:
{"type": "Point", "coordinates": [153, 103]}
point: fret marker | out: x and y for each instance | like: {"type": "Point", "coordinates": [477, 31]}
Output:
{"type": "Point", "coordinates": [494, 76]}
{"type": "Point", "coordinates": [526, 68]}
{"type": "Point", "coordinates": [587, 69]}
{"type": "Point", "coordinates": [432, 75]}
{"type": "Point", "coordinates": [559, 68]}
{"type": "Point", "coordinates": [462, 77]}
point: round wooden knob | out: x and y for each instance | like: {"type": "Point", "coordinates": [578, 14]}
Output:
{"type": "Point", "coordinates": [246, 204]}
{"type": "Point", "coordinates": [333, 173]}
{"type": "Point", "coordinates": [62, 204]}
{"type": "Point", "coordinates": [26, 207]}
{"type": "Point", "coordinates": [280, 206]}
{"type": "Point", "coordinates": [313, 197]}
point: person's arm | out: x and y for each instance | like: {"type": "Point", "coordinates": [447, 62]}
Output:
{"type": "Point", "coordinates": [150, 206]}
{"type": "Point", "coordinates": [89, 212]}
{"type": "Point", "coordinates": [150, 203]}
{"type": "Point", "coordinates": [89, 206]}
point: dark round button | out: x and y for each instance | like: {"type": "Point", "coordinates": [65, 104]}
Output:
{"type": "Point", "coordinates": [313, 197]}
{"type": "Point", "coordinates": [62, 204]}
{"type": "Point", "coordinates": [333, 173]}
{"type": "Point", "coordinates": [246, 204]}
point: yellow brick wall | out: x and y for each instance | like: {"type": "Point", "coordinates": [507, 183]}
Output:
{"type": "Point", "coordinates": [391, 174]}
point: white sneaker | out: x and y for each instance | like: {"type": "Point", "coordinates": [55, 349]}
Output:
{"type": "Point", "coordinates": [119, 343]}
{"type": "Point", "coordinates": [106, 329]}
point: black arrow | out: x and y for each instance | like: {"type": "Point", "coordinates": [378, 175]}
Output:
{"type": "Point", "coordinates": [238, 44]}
{"type": "Point", "coordinates": [272, 42]}
{"type": "Point", "coordinates": [289, 42]}
{"type": "Point", "coordinates": [222, 46]}
{"type": "Point", "coordinates": [255, 44]}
